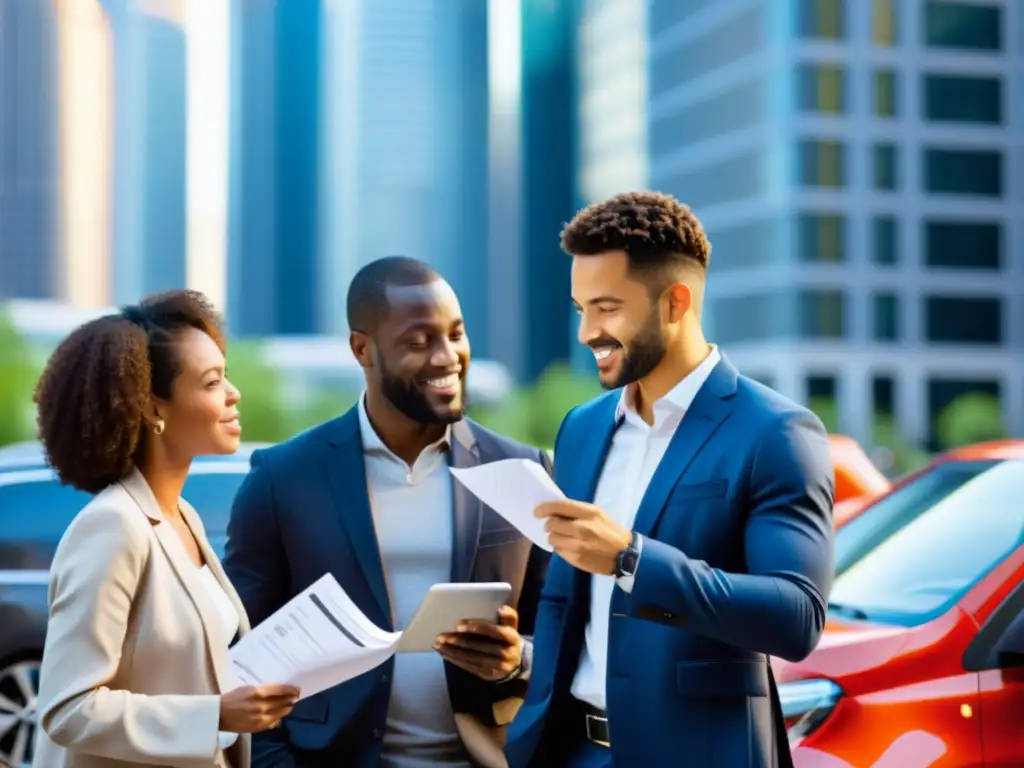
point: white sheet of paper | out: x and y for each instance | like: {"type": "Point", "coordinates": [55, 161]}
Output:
{"type": "Point", "coordinates": [513, 488]}
{"type": "Point", "coordinates": [320, 639]}
{"type": "Point", "coordinates": [315, 641]}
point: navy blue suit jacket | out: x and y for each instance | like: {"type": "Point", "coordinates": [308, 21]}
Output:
{"type": "Point", "coordinates": [303, 511]}
{"type": "Point", "coordinates": [736, 565]}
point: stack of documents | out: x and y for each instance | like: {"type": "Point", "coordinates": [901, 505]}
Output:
{"type": "Point", "coordinates": [321, 638]}
{"type": "Point", "coordinates": [316, 641]}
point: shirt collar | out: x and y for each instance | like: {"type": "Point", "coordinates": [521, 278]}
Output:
{"type": "Point", "coordinates": [374, 445]}
{"type": "Point", "coordinates": [681, 396]}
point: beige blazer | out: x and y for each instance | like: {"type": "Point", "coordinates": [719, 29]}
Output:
{"type": "Point", "coordinates": [135, 655]}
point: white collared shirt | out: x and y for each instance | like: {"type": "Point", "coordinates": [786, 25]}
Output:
{"type": "Point", "coordinates": [412, 515]}
{"type": "Point", "coordinates": [636, 450]}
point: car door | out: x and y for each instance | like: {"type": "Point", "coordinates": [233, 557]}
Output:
{"type": "Point", "coordinates": [997, 654]}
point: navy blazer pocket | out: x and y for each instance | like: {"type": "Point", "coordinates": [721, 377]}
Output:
{"type": "Point", "coordinates": [742, 677]}
{"type": "Point", "coordinates": [709, 489]}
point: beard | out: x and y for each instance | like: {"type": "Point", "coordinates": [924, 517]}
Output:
{"type": "Point", "coordinates": [641, 356]}
{"type": "Point", "coordinates": [408, 399]}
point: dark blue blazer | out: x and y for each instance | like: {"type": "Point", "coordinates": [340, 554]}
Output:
{"type": "Point", "coordinates": [303, 511]}
{"type": "Point", "coordinates": [736, 566]}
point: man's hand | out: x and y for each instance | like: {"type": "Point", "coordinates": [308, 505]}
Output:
{"type": "Point", "coordinates": [583, 535]}
{"type": "Point", "coordinates": [489, 651]}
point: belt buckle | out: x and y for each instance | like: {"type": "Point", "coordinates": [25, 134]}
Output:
{"type": "Point", "coordinates": [595, 719]}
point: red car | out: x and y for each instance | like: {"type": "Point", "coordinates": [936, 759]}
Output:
{"type": "Point", "coordinates": [922, 661]}
{"type": "Point", "coordinates": [858, 480]}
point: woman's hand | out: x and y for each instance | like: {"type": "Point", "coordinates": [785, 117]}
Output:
{"type": "Point", "coordinates": [254, 708]}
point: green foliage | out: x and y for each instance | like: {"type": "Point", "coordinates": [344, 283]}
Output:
{"type": "Point", "coordinates": [534, 413]}
{"type": "Point", "coordinates": [17, 382]}
{"type": "Point", "coordinates": [971, 418]}
{"type": "Point", "coordinates": [903, 456]}
{"type": "Point", "coordinates": [825, 409]}
{"type": "Point", "coordinates": [264, 418]}
{"type": "Point", "coordinates": [322, 405]}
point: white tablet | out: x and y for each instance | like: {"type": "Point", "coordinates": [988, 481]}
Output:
{"type": "Point", "coordinates": [445, 606]}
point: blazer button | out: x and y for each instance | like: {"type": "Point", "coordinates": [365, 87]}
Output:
{"type": "Point", "coordinates": [384, 677]}
{"type": "Point", "coordinates": [667, 616]}
{"type": "Point", "coordinates": [378, 733]}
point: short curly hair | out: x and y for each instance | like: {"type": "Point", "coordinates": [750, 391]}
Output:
{"type": "Point", "coordinates": [98, 383]}
{"type": "Point", "coordinates": [654, 229]}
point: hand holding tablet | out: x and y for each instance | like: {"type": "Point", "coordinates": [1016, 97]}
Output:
{"type": "Point", "coordinates": [447, 605]}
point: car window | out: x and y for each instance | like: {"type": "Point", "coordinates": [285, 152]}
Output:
{"type": "Point", "coordinates": [35, 510]}
{"type": "Point", "coordinates": [870, 528]}
{"type": "Point", "coordinates": [931, 547]}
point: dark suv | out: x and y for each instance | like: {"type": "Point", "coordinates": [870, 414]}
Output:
{"type": "Point", "coordinates": [35, 509]}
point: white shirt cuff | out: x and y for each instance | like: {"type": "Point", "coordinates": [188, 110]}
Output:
{"type": "Point", "coordinates": [626, 582]}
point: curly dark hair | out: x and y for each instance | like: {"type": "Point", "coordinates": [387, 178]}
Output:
{"type": "Point", "coordinates": [654, 229]}
{"type": "Point", "coordinates": [98, 383]}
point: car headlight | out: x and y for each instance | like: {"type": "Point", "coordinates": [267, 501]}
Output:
{"type": "Point", "coordinates": [806, 704]}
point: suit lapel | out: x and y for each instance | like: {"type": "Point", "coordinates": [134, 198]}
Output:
{"type": "Point", "coordinates": [582, 484]}
{"type": "Point", "coordinates": [467, 509]}
{"type": "Point", "coordinates": [709, 409]}
{"type": "Point", "coordinates": [186, 571]}
{"type": "Point", "coordinates": [346, 473]}
{"type": "Point", "coordinates": [213, 563]}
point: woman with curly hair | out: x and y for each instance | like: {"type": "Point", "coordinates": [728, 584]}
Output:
{"type": "Point", "coordinates": [135, 668]}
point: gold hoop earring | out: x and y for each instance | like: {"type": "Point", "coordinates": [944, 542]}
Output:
{"type": "Point", "coordinates": [158, 427]}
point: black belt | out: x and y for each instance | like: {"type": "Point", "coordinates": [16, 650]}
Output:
{"type": "Point", "coordinates": [590, 722]}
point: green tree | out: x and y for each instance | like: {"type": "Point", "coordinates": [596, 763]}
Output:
{"type": "Point", "coordinates": [825, 409]}
{"type": "Point", "coordinates": [264, 415]}
{"type": "Point", "coordinates": [534, 413]}
{"type": "Point", "coordinates": [971, 418]}
{"type": "Point", "coordinates": [905, 457]}
{"type": "Point", "coordinates": [322, 404]}
{"type": "Point", "coordinates": [17, 380]}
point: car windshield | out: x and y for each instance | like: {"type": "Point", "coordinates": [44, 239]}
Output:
{"type": "Point", "coordinates": [35, 510]}
{"type": "Point", "coordinates": [911, 556]}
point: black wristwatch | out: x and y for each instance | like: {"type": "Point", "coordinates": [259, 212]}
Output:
{"type": "Point", "coordinates": [627, 559]}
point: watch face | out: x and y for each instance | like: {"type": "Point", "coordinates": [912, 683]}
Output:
{"type": "Point", "coordinates": [627, 562]}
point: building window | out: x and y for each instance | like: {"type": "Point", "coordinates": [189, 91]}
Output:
{"type": "Point", "coordinates": [885, 93]}
{"type": "Point", "coordinates": [883, 395]}
{"type": "Point", "coordinates": [885, 313]}
{"type": "Point", "coordinates": [822, 237]}
{"type": "Point", "coordinates": [754, 317]}
{"type": "Point", "coordinates": [821, 88]}
{"type": "Point", "coordinates": [823, 19]}
{"type": "Point", "coordinates": [884, 23]}
{"type": "Point", "coordinates": [967, 26]}
{"type": "Point", "coordinates": [964, 172]}
{"type": "Point", "coordinates": [824, 387]}
{"type": "Point", "coordinates": [822, 314]}
{"type": "Point", "coordinates": [885, 163]}
{"type": "Point", "coordinates": [822, 163]}
{"type": "Point", "coordinates": [822, 392]}
{"type": "Point", "coordinates": [963, 320]}
{"type": "Point", "coordinates": [963, 244]}
{"type": "Point", "coordinates": [885, 240]}
{"type": "Point", "coordinates": [963, 99]}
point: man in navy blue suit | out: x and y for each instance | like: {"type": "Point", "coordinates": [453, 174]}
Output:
{"type": "Point", "coordinates": [696, 539]}
{"type": "Point", "coordinates": [369, 498]}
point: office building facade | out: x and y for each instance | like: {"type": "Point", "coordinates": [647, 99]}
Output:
{"type": "Point", "coordinates": [29, 187]}
{"type": "Point", "coordinates": [612, 122]}
{"type": "Point", "coordinates": [858, 166]}
{"type": "Point", "coordinates": [273, 249]}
